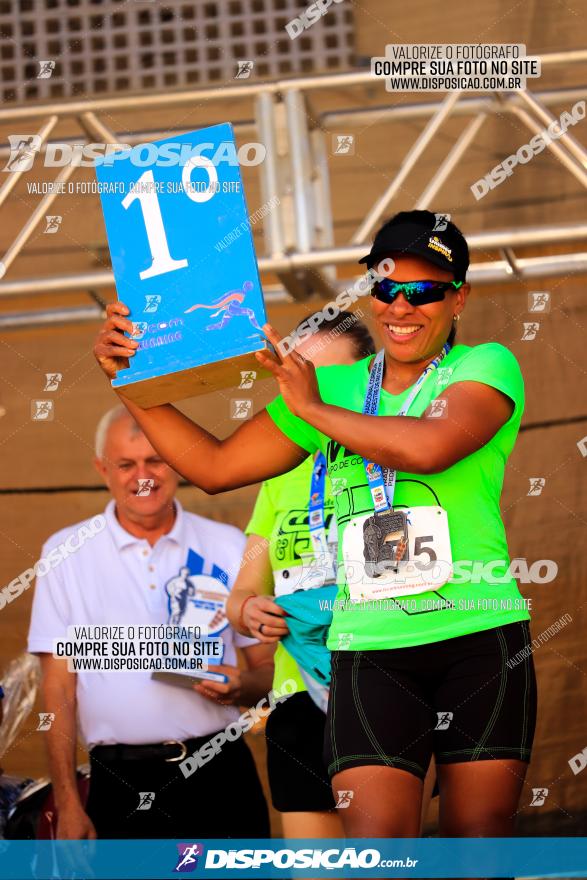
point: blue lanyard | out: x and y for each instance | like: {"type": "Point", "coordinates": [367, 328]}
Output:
{"type": "Point", "coordinates": [381, 481]}
{"type": "Point", "coordinates": [316, 505]}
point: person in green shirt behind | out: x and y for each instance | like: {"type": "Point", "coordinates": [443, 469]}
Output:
{"type": "Point", "coordinates": [277, 561]}
{"type": "Point", "coordinates": [431, 650]}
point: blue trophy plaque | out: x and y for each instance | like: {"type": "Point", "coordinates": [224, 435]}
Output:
{"type": "Point", "coordinates": [184, 263]}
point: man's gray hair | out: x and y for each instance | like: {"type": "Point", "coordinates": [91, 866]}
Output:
{"type": "Point", "coordinates": [108, 419]}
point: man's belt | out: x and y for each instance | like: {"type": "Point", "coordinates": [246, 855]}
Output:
{"type": "Point", "coordinates": [170, 750]}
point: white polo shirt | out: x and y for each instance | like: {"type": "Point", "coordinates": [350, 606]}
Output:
{"type": "Point", "coordinates": [118, 579]}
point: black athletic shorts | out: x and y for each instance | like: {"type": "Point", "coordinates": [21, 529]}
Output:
{"type": "Point", "coordinates": [471, 698]}
{"type": "Point", "coordinates": [295, 743]}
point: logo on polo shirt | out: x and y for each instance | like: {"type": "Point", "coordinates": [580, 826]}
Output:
{"type": "Point", "coordinates": [188, 854]}
{"type": "Point", "coordinates": [435, 243]}
{"type": "Point", "coordinates": [198, 599]}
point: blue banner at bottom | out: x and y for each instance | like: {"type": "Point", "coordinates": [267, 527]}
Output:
{"type": "Point", "coordinates": [524, 857]}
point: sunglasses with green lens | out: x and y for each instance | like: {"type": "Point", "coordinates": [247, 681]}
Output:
{"type": "Point", "coordinates": [417, 293]}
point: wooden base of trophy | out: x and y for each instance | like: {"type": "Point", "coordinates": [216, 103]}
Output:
{"type": "Point", "coordinates": [191, 381]}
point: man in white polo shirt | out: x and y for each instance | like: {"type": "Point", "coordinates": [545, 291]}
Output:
{"type": "Point", "coordinates": [129, 570]}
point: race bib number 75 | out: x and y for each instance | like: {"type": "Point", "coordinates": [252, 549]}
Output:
{"type": "Point", "coordinates": [428, 565]}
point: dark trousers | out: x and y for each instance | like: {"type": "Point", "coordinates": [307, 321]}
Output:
{"type": "Point", "coordinates": [223, 798]}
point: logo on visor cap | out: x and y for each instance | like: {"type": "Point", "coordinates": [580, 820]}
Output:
{"type": "Point", "coordinates": [435, 243]}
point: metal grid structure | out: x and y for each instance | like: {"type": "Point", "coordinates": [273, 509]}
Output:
{"type": "Point", "coordinates": [116, 45]}
{"type": "Point", "coordinates": [299, 236]}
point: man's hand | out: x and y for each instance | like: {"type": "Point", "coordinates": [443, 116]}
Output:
{"type": "Point", "coordinates": [228, 694]}
{"type": "Point", "coordinates": [73, 823]}
{"type": "Point", "coordinates": [112, 348]}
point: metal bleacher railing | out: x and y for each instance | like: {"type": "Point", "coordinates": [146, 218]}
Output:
{"type": "Point", "coordinates": [299, 243]}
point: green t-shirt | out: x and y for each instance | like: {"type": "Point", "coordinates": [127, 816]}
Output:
{"type": "Point", "coordinates": [281, 517]}
{"type": "Point", "coordinates": [469, 491]}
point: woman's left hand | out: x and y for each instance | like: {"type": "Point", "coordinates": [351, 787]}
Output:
{"type": "Point", "coordinates": [296, 375]}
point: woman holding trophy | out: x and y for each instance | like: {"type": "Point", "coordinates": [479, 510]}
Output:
{"type": "Point", "coordinates": [427, 615]}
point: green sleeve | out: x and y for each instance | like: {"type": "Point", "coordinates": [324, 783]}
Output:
{"type": "Point", "coordinates": [493, 364]}
{"type": "Point", "coordinates": [296, 429]}
{"type": "Point", "coordinates": [263, 518]}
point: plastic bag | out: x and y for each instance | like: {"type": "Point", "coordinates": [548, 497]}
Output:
{"type": "Point", "coordinates": [11, 788]}
{"type": "Point", "coordinates": [20, 681]}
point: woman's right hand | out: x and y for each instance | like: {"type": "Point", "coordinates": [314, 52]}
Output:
{"type": "Point", "coordinates": [262, 611]}
{"type": "Point", "coordinates": [112, 348]}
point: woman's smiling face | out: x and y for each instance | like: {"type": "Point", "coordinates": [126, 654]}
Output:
{"type": "Point", "coordinates": [413, 333]}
